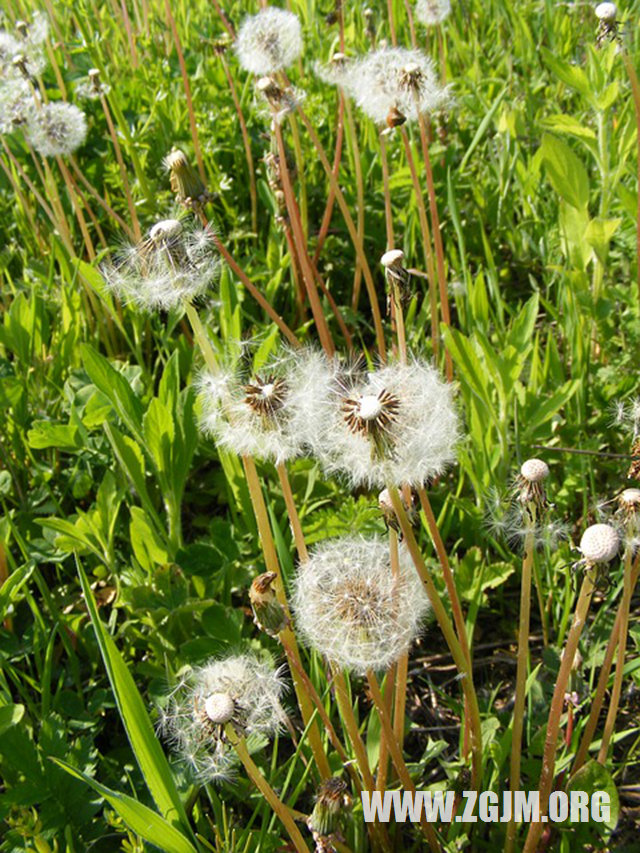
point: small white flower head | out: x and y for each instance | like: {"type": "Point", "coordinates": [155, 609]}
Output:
{"type": "Point", "coordinates": [176, 263]}
{"type": "Point", "coordinates": [269, 41]}
{"type": "Point", "coordinates": [392, 85]}
{"type": "Point", "coordinates": [16, 104]}
{"type": "Point", "coordinates": [92, 87]}
{"type": "Point", "coordinates": [599, 544]}
{"type": "Point", "coordinates": [241, 691]}
{"type": "Point", "coordinates": [432, 12]}
{"type": "Point", "coordinates": [56, 129]}
{"type": "Point", "coordinates": [606, 12]}
{"type": "Point", "coordinates": [256, 413]}
{"type": "Point", "coordinates": [393, 426]}
{"type": "Point", "coordinates": [351, 608]}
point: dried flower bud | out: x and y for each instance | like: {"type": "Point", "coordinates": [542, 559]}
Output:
{"type": "Point", "coordinates": [185, 181]}
{"type": "Point", "coordinates": [268, 614]}
{"type": "Point", "coordinates": [324, 821]}
{"type": "Point", "coordinates": [599, 544]}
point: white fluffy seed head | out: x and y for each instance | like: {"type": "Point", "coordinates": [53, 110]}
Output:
{"type": "Point", "coordinates": [432, 12]}
{"type": "Point", "coordinates": [600, 543]}
{"type": "Point", "coordinates": [240, 690]}
{"type": "Point", "coordinates": [393, 80]}
{"type": "Point", "coordinates": [606, 12]}
{"type": "Point", "coordinates": [176, 263]}
{"type": "Point", "coordinates": [351, 607]}
{"type": "Point", "coordinates": [256, 413]}
{"type": "Point", "coordinates": [56, 129]}
{"type": "Point", "coordinates": [630, 498]}
{"type": "Point", "coordinates": [396, 425]}
{"type": "Point", "coordinates": [16, 104]}
{"type": "Point", "coordinates": [534, 470]}
{"type": "Point", "coordinates": [269, 41]}
{"type": "Point", "coordinates": [219, 707]}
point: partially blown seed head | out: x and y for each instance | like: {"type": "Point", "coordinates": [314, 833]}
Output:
{"type": "Point", "coordinates": [599, 544]}
{"type": "Point", "coordinates": [351, 607]}
{"type": "Point", "coordinates": [269, 41]}
{"type": "Point", "coordinates": [177, 262]}
{"type": "Point", "coordinates": [432, 12]}
{"type": "Point", "coordinates": [606, 12]}
{"type": "Point", "coordinates": [240, 691]}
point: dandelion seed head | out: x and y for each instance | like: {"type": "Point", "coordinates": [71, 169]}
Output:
{"type": "Point", "coordinates": [56, 129]}
{"type": "Point", "coordinates": [394, 82]}
{"type": "Point", "coordinates": [351, 608]}
{"type": "Point", "coordinates": [254, 414]}
{"type": "Point", "coordinates": [9, 47]}
{"type": "Point", "coordinates": [92, 88]}
{"type": "Point", "coordinates": [176, 263]}
{"type": "Point", "coordinates": [630, 498]}
{"type": "Point", "coordinates": [392, 426]}
{"type": "Point", "coordinates": [269, 41]}
{"type": "Point", "coordinates": [432, 12]}
{"type": "Point", "coordinates": [599, 544]}
{"type": "Point", "coordinates": [16, 104]}
{"type": "Point", "coordinates": [606, 12]}
{"type": "Point", "coordinates": [393, 257]}
{"type": "Point", "coordinates": [240, 690]}
{"type": "Point", "coordinates": [534, 470]}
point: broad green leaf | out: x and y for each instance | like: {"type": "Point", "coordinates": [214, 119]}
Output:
{"type": "Point", "coordinates": [149, 755]}
{"type": "Point", "coordinates": [565, 170]}
{"type": "Point", "coordinates": [147, 546]}
{"type": "Point", "coordinates": [540, 411]}
{"type": "Point", "coordinates": [140, 819]}
{"type": "Point", "coordinates": [563, 123]}
{"type": "Point", "coordinates": [599, 233]}
{"type": "Point", "coordinates": [159, 433]}
{"type": "Point", "coordinates": [10, 715]}
{"type": "Point", "coordinates": [470, 367]}
{"type": "Point", "coordinates": [594, 777]}
{"type": "Point", "coordinates": [115, 387]}
{"type": "Point", "coordinates": [46, 434]}
{"type": "Point", "coordinates": [521, 331]}
{"type": "Point", "coordinates": [572, 75]}
{"type": "Point", "coordinates": [9, 589]}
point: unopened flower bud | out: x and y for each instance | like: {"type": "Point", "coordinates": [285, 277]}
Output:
{"type": "Point", "coordinates": [331, 801]}
{"type": "Point", "coordinates": [268, 614]}
{"type": "Point", "coordinates": [185, 180]}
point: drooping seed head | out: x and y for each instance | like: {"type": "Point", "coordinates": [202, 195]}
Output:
{"type": "Point", "coordinates": [599, 544]}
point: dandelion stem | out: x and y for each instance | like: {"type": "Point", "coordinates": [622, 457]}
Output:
{"type": "Point", "coordinates": [437, 237]}
{"type": "Point", "coordinates": [357, 167]}
{"type": "Point", "coordinates": [635, 90]}
{"type": "Point", "coordinates": [388, 213]}
{"type": "Point", "coordinates": [460, 658]}
{"type": "Point", "coordinates": [557, 704]}
{"type": "Point", "coordinates": [328, 210]}
{"type": "Point", "coordinates": [253, 195]}
{"type": "Point", "coordinates": [396, 755]}
{"type": "Point", "coordinates": [616, 690]}
{"type": "Point", "coordinates": [273, 565]}
{"type": "Point", "coordinates": [300, 243]}
{"type": "Point", "coordinates": [603, 678]}
{"type": "Point", "coordinates": [266, 790]}
{"type": "Point", "coordinates": [426, 244]}
{"type": "Point", "coordinates": [292, 512]}
{"type": "Point", "coordinates": [187, 90]}
{"type": "Point", "coordinates": [521, 670]}
{"type": "Point", "coordinates": [355, 237]}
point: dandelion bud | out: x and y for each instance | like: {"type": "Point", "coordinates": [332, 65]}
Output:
{"type": "Point", "coordinates": [351, 607]}
{"type": "Point", "coordinates": [56, 129]}
{"type": "Point", "coordinates": [269, 41]}
{"type": "Point", "coordinates": [606, 12]}
{"type": "Point", "coordinates": [185, 181]}
{"type": "Point", "coordinates": [432, 12]}
{"type": "Point", "coordinates": [268, 614]}
{"type": "Point", "coordinates": [599, 544]}
{"type": "Point", "coordinates": [325, 819]}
